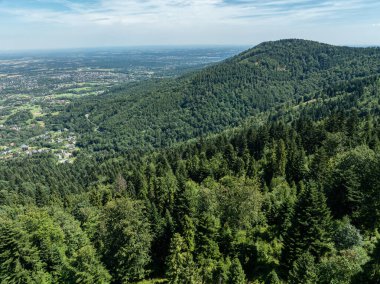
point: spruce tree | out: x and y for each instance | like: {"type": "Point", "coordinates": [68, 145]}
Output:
{"type": "Point", "coordinates": [237, 275]}
{"type": "Point", "coordinates": [303, 270]}
{"type": "Point", "coordinates": [311, 226]}
{"type": "Point", "coordinates": [207, 249]}
{"type": "Point", "coordinates": [19, 260]}
{"type": "Point", "coordinates": [180, 264]}
{"type": "Point", "coordinates": [280, 163]}
{"type": "Point", "coordinates": [126, 239]}
{"type": "Point", "coordinates": [189, 233]}
{"type": "Point", "coordinates": [272, 278]}
{"type": "Point", "coordinates": [319, 166]}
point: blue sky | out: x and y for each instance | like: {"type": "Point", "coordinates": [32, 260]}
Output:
{"type": "Point", "coordinates": [50, 24]}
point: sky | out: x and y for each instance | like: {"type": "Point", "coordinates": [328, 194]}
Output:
{"type": "Point", "coordinates": [59, 24]}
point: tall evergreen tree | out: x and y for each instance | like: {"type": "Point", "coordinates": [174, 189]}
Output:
{"type": "Point", "coordinates": [126, 240]}
{"type": "Point", "coordinates": [303, 270]}
{"type": "Point", "coordinates": [188, 229]}
{"type": "Point", "coordinates": [237, 275]}
{"type": "Point", "coordinates": [19, 260]}
{"type": "Point", "coordinates": [208, 254]}
{"type": "Point", "coordinates": [180, 265]}
{"type": "Point", "coordinates": [311, 227]}
{"type": "Point", "coordinates": [272, 278]}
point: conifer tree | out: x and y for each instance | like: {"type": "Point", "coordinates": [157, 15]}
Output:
{"type": "Point", "coordinates": [272, 278]}
{"type": "Point", "coordinates": [189, 233]}
{"type": "Point", "coordinates": [208, 253]}
{"type": "Point", "coordinates": [303, 270]}
{"type": "Point", "coordinates": [319, 165]}
{"type": "Point", "coordinates": [222, 270]}
{"type": "Point", "coordinates": [180, 265]}
{"type": "Point", "coordinates": [19, 260]}
{"type": "Point", "coordinates": [280, 162]}
{"type": "Point", "coordinates": [237, 275]}
{"type": "Point", "coordinates": [311, 226]}
{"type": "Point", "coordinates": [126, 239]}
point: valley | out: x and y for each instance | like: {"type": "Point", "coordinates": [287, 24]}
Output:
{"type": "Point", "coordinates": [35, 86]}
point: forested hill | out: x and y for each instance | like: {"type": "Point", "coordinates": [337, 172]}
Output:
{"type": "Point", "coordinates": [270, 76]}
{"type": "Point", "coordinates": [294, 200]}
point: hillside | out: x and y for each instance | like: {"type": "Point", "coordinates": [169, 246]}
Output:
{"type": "Point", "coordinates": [284, 188]}
{"type": "Point", "coordinates": [269, 76]}
{"type": "Point", "coordinates": [295, 198]}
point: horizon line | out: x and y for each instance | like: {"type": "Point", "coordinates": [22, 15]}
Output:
{"type": "Point", "coordinates": [158, 46]}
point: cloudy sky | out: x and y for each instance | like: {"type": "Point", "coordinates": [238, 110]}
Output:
{"type": "Point", "coordinates": [50, 24]}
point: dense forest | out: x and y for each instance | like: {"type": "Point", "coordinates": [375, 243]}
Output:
{"type": "Point", "coordinates": [274, 178]}
{"type": "Point", "coordinates": [161, 113]}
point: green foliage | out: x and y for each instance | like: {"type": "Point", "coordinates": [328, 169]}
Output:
{"type": "Point", "coordinates": [342, 267]}
{"type": "Point", "coordinates": [346, 235]}
{"type": "Point", "coordinates": [236, 273]}
{"type": "Point", "coordinates": [311, 226]}
{"type": "Point", "coordinates": [19, 259]}
{"type": "Point", "coordinates": [50, 248]}
{"type": "Point", "coordinates": [19, 118]}
{"type": "Point", "coordinates": [240, 201]}
{"type": "Point", "coordinates": [181, 267]}
{"type": "Point", "coordinates": [160, 113]}
{"type": "Point", "coordinates": [371, 271]}
{"type": "Point", "coordinates": [279, 204]}
{"type": "Point", "coordinates": [306, 144]}
{"type": "Point", "coordinates": [351, 179]}
{"type": "Point", "coordinates": [85, 268]}
{"type": "Point", "coordinates": [303, 270]}
{"type": "Point", "coordinates": [126, 240]}
{"type": "Point", "coordinates": [272, 278]}
{"type": "Point", "coordinates": [207, 252]}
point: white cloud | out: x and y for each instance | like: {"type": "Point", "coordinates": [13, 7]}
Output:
{"type": "Point", "coordinates": [187, 11]}
{"type": "Point", "coordinates": [121, 22]}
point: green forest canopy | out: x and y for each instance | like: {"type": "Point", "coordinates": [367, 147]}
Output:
{"type": "Point", "coordinates": [283, 186]}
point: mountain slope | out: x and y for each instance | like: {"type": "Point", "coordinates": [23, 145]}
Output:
{"type": "Point", "coordinates": [239, 194]}
{"type": "Point", "coordinates": [299, 192]}
{"type": "Point", "coordinates": [160, 113]}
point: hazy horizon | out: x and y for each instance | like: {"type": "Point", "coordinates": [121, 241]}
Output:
{"type": "Point", "coordinates": [74, 24]}
{"type": "Point", "coordinates": [38, 51]}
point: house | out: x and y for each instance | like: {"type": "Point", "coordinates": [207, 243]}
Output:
{"type": "Point", "coordinates": [24, 147]}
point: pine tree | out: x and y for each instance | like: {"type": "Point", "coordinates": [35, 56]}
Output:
{"type": "Point", "coordinates": [221, 271]}
{"type": "Point", "coordinates": [296, 162]}
{"type": "Point", "coordinates": [280, 163]}
{"type": "Point", "coordinates": [319, 165]}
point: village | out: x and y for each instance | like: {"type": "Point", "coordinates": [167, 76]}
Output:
{"type": "Point", "coordinates": [62, 144]}
{"type": "Point", "coordinates": [34, 88]}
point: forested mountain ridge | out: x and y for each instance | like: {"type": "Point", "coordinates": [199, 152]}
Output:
{"type": "Point", "coordinates": [158, 114]}
{"type": "Point", "coordinates": [290, 195]}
